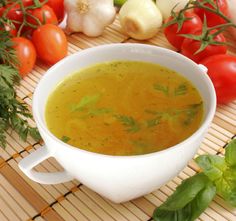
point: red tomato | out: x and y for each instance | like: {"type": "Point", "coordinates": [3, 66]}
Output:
{"type": "Point", "coordinates": [2, 9]}
{"type": "Point", "coordinates": [58, 8]}
{"type": "Point", "coordinates": [12, 31]}
{"type": "Point", "coordinates": [190, 46]}
{"type": "Point", "coordinates": [189, 27]}
{"type": "Point", "coordinates": [222, 71]}
{"type": "Point", "coordinates": [15, 14]}
{"type": "Point", "coordinates": [50, 43]}
{"type": "Point", "coordinates": [212, 18]}
{"type": "Point", "coordinates": [44, 14]}
{"type": "Point", "coordinates": [27, 2]}
{"type": "Point", "coordinates": [26, 54]}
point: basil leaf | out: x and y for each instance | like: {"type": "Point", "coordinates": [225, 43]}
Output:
{"type": "Point", "coordinates": [226, 186]}
{"type": "Point", "coordinates": [212, 165]}
{"type": "Point", "coordinates": [189, 188]}
{"type": "Point", "coordinates": [222, 171]}
{"type": "Point", "coordinates": [230, 153]}
{"type": "Point", "coordinates": [187, 210]}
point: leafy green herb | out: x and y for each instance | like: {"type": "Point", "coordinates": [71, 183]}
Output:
{"type": "Point", "coordinates": [230, 154]}
{"type": "Point", "coordinates": [162, 88]}
{"type": "Point", "coordinates": [85, 102]}
{"type": "Point", "coordinates": [222, 171]}
{"type": "Point", "coordinates": [129, 122]}
{"type": "Point", "coordinates": [140, 143]}
{"type": "Point", "coordinates": [164, 115]}
{"type": "Point", "coordinates": [180, 90]}
{"type": "Point", "coordinates": [193, 196]}
{"type": "Point", "coordinates": [65, 139]}
{"type": "Point", "coordinates": [191, 111]}
{"type": "Point", "coordinates": [189, 200]}
{"type": "Point", "coordinates": [13, 113]}
{"type": "Point", "coordinates": [99, 111]}
{"type": "Point", "coordinates": [153, 122]}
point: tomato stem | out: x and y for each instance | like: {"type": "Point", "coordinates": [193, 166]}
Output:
{"type": "Point", "coordinates": [25, 22]}
{"type": "Point", "coordinates": [37, 3]}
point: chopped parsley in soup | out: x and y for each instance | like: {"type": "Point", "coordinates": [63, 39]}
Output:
{"type": "Point", "coordinates": [124, 108]}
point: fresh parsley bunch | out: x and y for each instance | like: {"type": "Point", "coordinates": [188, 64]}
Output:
{"type": "Point", "coordinates": [13, 113]}
{"type": "Point", "coordinates": [193, 196]}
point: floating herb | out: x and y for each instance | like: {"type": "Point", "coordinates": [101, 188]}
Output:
{"type": "Point", "coordinates": [129, 122]}
{"type": "Point", "coordinates": [85, 102]}
{"type": "Point", "coordinates": [180, 90]}
{"type": "Point", "coordinates": [191, 112]}
{"type": "Point", "coordinates": [164, 115]}
{"type": "Point", "coordinates": [162, 88]}
{"type": "Point", "coordinates": [139, 143]}
{"type": "Point", "coordinates": [99, 111]}
{"type": "Point", "coordinates": [153, 122]}
{"type": "Point", "coordinates": [65, 139]}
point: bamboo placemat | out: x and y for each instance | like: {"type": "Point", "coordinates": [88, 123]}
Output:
{"type": "Point", "coordinates": [23, 199]}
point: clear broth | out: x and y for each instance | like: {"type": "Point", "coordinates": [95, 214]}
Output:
{"type": "Point", "coordinates": [124, 108]}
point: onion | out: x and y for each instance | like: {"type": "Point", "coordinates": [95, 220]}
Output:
{"type": "Point", "coordinates": [166, 6]}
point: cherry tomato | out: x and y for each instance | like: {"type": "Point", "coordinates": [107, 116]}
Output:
{"type": "Point", "coordinates": [212, 18]}
{"type": "Point", "coordinates": [11, 30]}
{"type": "Point", "coordinates": [45, 14]}
{"type": "Point", "coordinates": [26, 54]}
{"type": "Point", "coordinates": [2, 9]}
{"type": "Point", "coordinates": [27, 2]}
{"type": "Point", "coordinates": [190, 46]}
{"type": "Point", "coordinates": [15, 14]}
{"type": "Point", "coordinates": [58, 8]}
{"type": "Point", "coordinates": [50, 43]}
{"type": "Point", "coordinates": [222, 71]}
{"type": "Point", "coordinates": [189, 26]}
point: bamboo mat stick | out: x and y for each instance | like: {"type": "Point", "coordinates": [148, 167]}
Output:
{"type": "Point", "coordinates": [9, 213]}
{"type": "Point", "coordinates": [65, 214]}
{"type": "Point", "coordinates": [80, 206]}
{"type": "Point", "coordinates": [23, 203]}
{"type": "Point", "coordinates": [136, 211]}
{"type": "Point", "coordinates": [93, 206]}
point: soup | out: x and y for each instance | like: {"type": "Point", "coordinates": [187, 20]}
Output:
{"type": "Point", "coordinates": [124, 108]}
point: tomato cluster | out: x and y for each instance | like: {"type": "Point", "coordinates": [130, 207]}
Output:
{"type": "Point", "coordinates": [198, 34]}
{"type": "Point", "coordinates": [33, 27]}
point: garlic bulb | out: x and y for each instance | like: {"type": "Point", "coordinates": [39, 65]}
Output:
{"type": "Point", "coordinates": [166, 6]}
{"type": "Point", "coordinates": [140, 19]}
{"type": "Point", "coordinates": [89, 16]}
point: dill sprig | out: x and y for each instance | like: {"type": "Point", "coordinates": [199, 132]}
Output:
{"type": "Point", "coordinates": [13, 113]}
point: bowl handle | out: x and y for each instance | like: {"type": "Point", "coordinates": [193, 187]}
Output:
{"type": "Point", "coordinates": [28, 163]}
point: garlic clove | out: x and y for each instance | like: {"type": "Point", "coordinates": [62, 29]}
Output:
{"type": "Point", "coordinates": [74, 23]}
{"type": "Point", "coordinates": [92, 27]}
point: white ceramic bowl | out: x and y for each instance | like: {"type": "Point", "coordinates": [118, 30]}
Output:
{"type": "Point", "coordinates": [118, 178]}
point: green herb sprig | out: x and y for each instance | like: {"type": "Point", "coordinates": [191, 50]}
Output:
{"type": "Point", "coordinates": [13, 113]}
{"type": "Point", "coordinates": [194, 194]}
